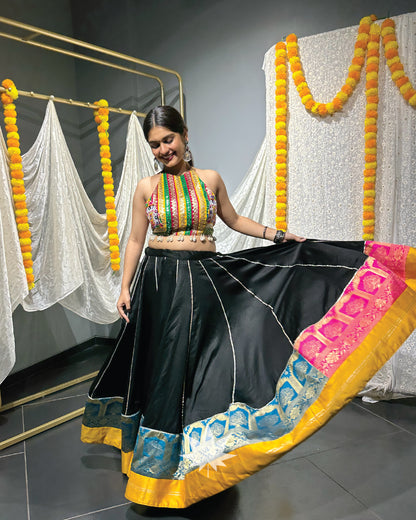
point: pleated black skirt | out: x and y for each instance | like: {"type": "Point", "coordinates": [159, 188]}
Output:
{"type": "Point", "coordinates": [229, 360]}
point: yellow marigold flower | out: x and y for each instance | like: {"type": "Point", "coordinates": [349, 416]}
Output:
{"type": "Point", "coordinates": [281, 151]}
{"type": "Point", "coordinates": [369, 193]}
{"type": "Point", "coordinates": [392, 61]}
{"type": "Point", "coordinates": [114, 248]}
{"type": "Point", "coordinates": [370, 135]}
{"type": "Point", "coordinates": [342, 96]}
{"type": "Point", "coordinates": [25, 241]}
{"type": "Point", "coordinates": [111, 212]}
{"type": "Point", "coordinates": [391, 45]}
{"type": "Point", "coordinates": [104, 160]}
{"type": "Point", "coordinates": [373, 46]}
{"type": "Point", "coordinates": [22, 227]}
{"type": "Point", "coordinates": [281, 138]}
{"type": "Point", "coordinates": [412, 101]}
{"type": "Point", "coordinates": [115, 260]}
{"type": "Point", "coordinates": [306, 98]}
{"type": "Point", "coordinates": [19, 198]}
{"type": "Point", "coordinates": [17, 182]}
{"type": "Point", "coordinates": [372, 151]}
{"type": "Point", "coordinates": [112, 224]}
{"type": "Point", "coordinates": [397, 75]}
{"type": "Point", "coordinates": [26, 256]}
{"type": "Point", "coordinates": [280, 125]}
{"type": "Point", "coordinates": [280, 83]}
{"type": "Point", "coordinates": [281, 111]}
{"type": "Point", "coordinates": [10, 120]}
{"type": "Point", "coordinates": [369, 222]}
{"type": "Point", "coordinates": [353, 66]}
{"type": "Point", "coordinates": [404, 88]}
{"type": "Point", "coordinates": [371, 106]}
{"type": "Point", "coordinates": [371, 165]}
{"type": "Point", "coordinates": [370, 121]}
{"type": "Point", "coordinates": [12, 150]}
{"type": "Point", "coordinates": [330, 107]}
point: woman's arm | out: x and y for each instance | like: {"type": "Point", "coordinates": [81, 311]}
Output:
{"type": "Point", "coordinates": [134, 247]}
{"type": "Point", "coordinates": [239, 223]}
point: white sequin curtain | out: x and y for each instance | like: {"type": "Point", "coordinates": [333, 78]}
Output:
{"type": "Point", "coordinates": [326, 163]}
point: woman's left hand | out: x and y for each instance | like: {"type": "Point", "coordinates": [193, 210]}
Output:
{"type": "Point", "coordinates": [291, 236]}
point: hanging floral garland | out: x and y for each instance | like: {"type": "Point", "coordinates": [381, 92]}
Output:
{"type": "Point", "coordinates": [391, 51]}
{"type": "Point", "coordinates": [370, 131]}
{"type": "Point", "coordinates": [101, 118]}
{"type": "Point", "coordinates": [281, 136]}
{"type": "Point", "coordinates": [354, 71]}
{"type": "Point", "coordinates": [17, 178]}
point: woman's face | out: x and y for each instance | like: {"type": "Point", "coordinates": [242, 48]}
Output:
{"type": "Point", "coordinates": [168, 147]}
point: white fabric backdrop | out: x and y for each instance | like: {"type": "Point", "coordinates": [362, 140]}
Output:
{"type": "Point", "coordinates": [326, 161]}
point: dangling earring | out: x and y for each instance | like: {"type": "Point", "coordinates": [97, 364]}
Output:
{"type": "Point", "coordinates": [157, 165]}
{"type": "Point", "coordinates": [187, 156]}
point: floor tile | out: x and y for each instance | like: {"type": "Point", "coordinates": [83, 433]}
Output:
{"type": "Point", "coordinates": [76, 478]}
{"type": "Point", "coordinates": [399, 411]}
{"type": "Point", "coordinates": [11, 424]}
{"type": "Point", "coordinates": [380, 472]}
{"type": "Point", "coordinates": [45, 411]}
{"type": "Point", "coordinates": [13, 487]}
{"type": "Point", "coordinates": [351, 424]}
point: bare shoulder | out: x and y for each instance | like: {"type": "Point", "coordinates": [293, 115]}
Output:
{"type": "Point", "coordinates": [211, 178]}
{"type": "Point", "coordinates": [146, 186]}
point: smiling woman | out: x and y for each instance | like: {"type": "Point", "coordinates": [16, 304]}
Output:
{"type": "Point", "coordinates": [226, 361]}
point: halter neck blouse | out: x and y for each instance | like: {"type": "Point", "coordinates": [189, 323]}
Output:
{"type": "Point", "coordinates": [182, 205]}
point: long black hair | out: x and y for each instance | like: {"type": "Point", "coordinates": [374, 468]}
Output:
{"type": "Point", "coordinates": [165, 116]}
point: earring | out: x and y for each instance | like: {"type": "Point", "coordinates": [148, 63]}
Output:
{"type": "Point", "coordinates": [157, 165]}
{"type": "Point", "coordinates": [187, 156]}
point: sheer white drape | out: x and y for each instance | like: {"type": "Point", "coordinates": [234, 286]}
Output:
{"type": "Point", "coordinates": [326, 161]}
{"type": "Point", "coordinates": [69, 237]}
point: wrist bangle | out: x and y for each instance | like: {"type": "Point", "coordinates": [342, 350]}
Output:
{"type": "Point", "coordinates": [279, 236]}
{"type": "Point", "coordinates": [264, 231]}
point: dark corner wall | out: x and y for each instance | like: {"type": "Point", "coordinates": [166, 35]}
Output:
{"type": "Point", "coordinates": [217, 47]}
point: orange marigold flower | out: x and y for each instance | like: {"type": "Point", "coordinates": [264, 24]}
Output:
{"type": "Point", "coordinates": [402, 81]}
{"type": "Point", "coordinates": [388, 22]}
{"type": "Point", "coordinates": [291, 38]}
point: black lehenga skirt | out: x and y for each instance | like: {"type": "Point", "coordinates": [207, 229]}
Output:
{"type": "Point", "coordinates": [231, 360]}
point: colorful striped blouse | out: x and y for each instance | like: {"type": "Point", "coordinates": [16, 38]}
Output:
{"type": "Point", "coordinates": [182, 205]}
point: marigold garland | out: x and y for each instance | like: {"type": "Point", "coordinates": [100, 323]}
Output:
{"type": "Point", "coordinates": [101, 118]}
{"type": "Point", "coordinates": [391, 51]}
{"type": "Point", "coordinates": [281, 136]}
{"type": "Point", "coordinates": [354, 71]}
{"type": "Point", "coordinates": [17, 178]}
{"type": "Point", "coordinates": [370, 131]}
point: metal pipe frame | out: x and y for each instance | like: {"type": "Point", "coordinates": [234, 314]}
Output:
{"type": "Point", "coordinates": [87, 58]}
{"type": "Point", "coordinates": [84, 104]}
{"type": "Point", "coordinates": [45, 426]}
{"type": "Point", "coordinates": [35, 31]}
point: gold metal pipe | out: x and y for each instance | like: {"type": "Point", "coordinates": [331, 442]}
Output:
{"type": "Point", "coordinates": [73, 102]}
{"type": "Point", "coordinates": [103, 50]}
{"type": "Point", "coordinates": [85, 58]}
{"type": "Point", "coordinates": [48, 391]}
{"type": "Point", "coordinates": [39, 429]}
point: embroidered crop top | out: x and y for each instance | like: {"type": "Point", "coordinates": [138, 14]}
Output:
{"type": "Point", "coordinates": [182, 205]}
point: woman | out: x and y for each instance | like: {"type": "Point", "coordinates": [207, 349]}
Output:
{"type": "Point", "coordinates": [227, 361]}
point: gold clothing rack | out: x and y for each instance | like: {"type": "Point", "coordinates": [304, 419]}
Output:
{"type": "Point", "coordinates": [35, 32]}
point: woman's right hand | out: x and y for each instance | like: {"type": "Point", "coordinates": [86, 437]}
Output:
{"type": "Point", "coordinates": [123, 304]}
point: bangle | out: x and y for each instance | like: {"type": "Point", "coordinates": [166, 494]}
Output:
{"type": "Point", "coordinates": [264, 231]}
{"type": "Point", "coordinates": [279, 236]}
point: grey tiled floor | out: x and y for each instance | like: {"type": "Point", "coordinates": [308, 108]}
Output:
{"type": "Point", "coordinates": [360, 466]}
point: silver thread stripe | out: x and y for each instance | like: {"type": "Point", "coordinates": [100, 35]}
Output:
{"type": "Point", "coordinates": [229, 332]}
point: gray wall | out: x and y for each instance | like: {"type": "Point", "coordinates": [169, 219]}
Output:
{"type": "Point", "coordinates": [217, 47]}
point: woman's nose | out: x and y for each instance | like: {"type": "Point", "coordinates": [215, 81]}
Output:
{"type": "Point", "coordinates": [164, 148]}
